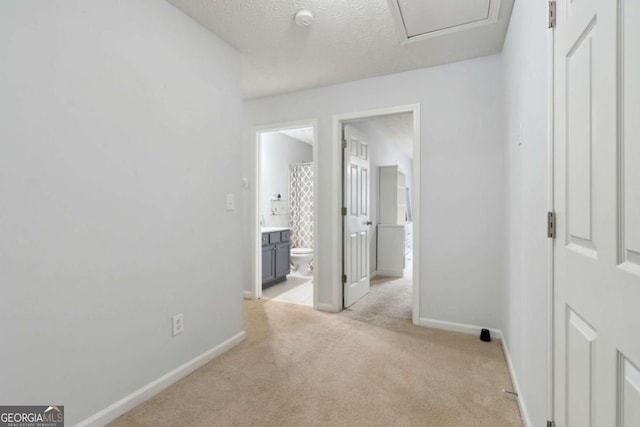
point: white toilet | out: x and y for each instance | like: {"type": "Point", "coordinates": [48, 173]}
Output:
{"type": "Point", "coordinates": [301, 261]}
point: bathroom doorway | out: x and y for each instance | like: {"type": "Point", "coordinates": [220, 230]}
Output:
{"type": "Point", "coordinates": [286, 205]}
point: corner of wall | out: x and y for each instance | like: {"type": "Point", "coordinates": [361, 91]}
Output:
{"type": "Point", "coordinates": [149, 390]}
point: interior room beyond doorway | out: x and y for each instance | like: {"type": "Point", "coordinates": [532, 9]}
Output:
{"type": "Point", "coordinates": [386, 143]}
{"type": "Point", "coordinates": [286, 215]}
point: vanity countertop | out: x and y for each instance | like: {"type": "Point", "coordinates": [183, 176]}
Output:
{"type": "Point", "coordinates": [270, 229]}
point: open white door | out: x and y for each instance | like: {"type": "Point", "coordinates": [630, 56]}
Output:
{"type": "Point", "coordinates": [597, 202]}
{"type": "Point", "coordinates": [356, 218]}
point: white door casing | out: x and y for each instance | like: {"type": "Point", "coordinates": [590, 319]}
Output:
{"type": "Point", "coordinates": [255, 291]}
{"type": "Point", "coordinates": [597, 202]}
{"type": "Point", "coordinates": [356, 179]}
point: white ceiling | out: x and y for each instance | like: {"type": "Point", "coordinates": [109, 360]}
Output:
{"type": "Point", "coordinates": [394, 128]}
{"type": "Point", "coordinates": [301, 134]}
{"type": "Point", "coordinates": [348, 40]}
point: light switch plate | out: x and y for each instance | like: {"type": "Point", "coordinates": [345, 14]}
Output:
{"type": "Point", "coordinates": [231, 205]}
{"type": "Point", "coordinates": [178, 324]}
{"type": "Point", "coordinates": [520, 135]}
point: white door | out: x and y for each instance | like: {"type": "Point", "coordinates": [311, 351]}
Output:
{"type": "Point", "coordinates": [356, 219]}
{"type": "Point", "coordinates": [597, 201]}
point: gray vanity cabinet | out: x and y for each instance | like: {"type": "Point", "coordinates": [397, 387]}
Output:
{"type": "Point", "coordinates": [268, 265]}
{"type": "Point", "coordinates": [282, 264]}
{"type": "Point", "coordinates": [275, 257]}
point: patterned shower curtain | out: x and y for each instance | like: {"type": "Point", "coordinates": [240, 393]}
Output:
{"type": "Point", "coordinates": [301, 205]}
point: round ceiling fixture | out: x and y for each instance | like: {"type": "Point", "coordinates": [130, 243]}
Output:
{"type": "Point", "coordinates": [304, 18]}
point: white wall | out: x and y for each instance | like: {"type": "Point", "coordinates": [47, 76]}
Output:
{"type": "Point", "coordinates": [462, 159]}
{"type": "Point", "coordinates": [525, 316]}
{"type": "Point", "coordinates": [119, 138]}
{"type": "Point", "coordinates": [278, 151]}
{"type": "Point", "coordinates": [382, 152]}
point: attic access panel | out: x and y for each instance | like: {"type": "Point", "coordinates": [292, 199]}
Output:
{"type": "Point", "coordinates": [423, 18]}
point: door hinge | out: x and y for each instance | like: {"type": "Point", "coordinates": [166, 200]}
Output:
{"type": "Point", "coordinates": [344, 278]}
{"type": "Point", "coordinates": [551, 424]}
{"type": "Point", "coordinates": [344, 211]}
{"type": "Point", "coordinates": [551, 225]}
{"type": "Point", "coordinates": [344, 143]}
{"type": "Point", "coordinates": [552, 14]}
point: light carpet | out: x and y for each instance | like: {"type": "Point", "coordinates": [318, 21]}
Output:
{"type": "Point", "coordinates": [367, 366]}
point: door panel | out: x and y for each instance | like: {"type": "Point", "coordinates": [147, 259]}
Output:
{"type": "Point", "coordinates": [282, 261]}
{"type": "Point", "coordinates": [579, 157]}
{"type": "Point", "coordinates": [629, 402]}
{"type": "Point", "coordinates": [363, 262]}
{"type": "Point", "coordinates": [580, 337]}
{"type": "Point", "coordinates": [356, 228]}
{"type": "Point", "coordinates": [364, 191]}
{"type": "Point", "coordinates": [353, 208]}
{"type": "Point", "coordinates": [629, 87]}
{"type": "Point", "coordinates": [597, 203]}
{"type": "Point", "coordinates": [268, 264]}
{"type": "Point", "coordinates": [352, 272]}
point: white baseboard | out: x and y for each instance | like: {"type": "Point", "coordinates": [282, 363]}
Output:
{"type": "Point", "coordinates": [497, 334]}
{"type": "Point", "coordinates": [247, 295]}
{"type": "Point", "coordinates": [457, 327]}
{"type": "Point", "coordinates": [129, 402]}
{"type": "Point", "coordinates": [330, 308]}
{"type": "Point", "coordinates": [373, 274]}
{"type": "Point", "coordinates": [524, 413]}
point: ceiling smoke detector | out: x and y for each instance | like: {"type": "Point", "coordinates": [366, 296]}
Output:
{"type": "Point", "coordinates": [304, 18]}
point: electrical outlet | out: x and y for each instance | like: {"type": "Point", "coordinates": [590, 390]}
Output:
{"type": "Point", "coordinates": [178, 324]}
{"type": "Point", "coordinates": [520, 135]}
{"type": "Point", "coordinates": [230, 202]}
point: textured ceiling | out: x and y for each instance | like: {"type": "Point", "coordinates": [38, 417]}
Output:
{"type": "Point", "coordinates": [348, 40]}
{"type": "Point", "coordinates": [394, 128]}
{"type": "Point", "coordinates": [301, 134]}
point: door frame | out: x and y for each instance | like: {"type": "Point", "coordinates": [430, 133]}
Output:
{"type": "Point", "coordinates": [550, 208]}
{"type": "Point", "coordinates": [255, 232]}
{"type": "Point", "coordinates": [337, 198]}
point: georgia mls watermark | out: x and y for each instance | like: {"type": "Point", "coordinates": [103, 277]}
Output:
{"type": "Point", "coordinates": [32, 416]}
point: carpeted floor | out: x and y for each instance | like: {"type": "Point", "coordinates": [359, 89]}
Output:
{"type": "Point", "coordinates": [367, 366]}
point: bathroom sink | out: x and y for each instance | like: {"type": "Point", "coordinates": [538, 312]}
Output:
{"type": "Point", "coordinates": [270, 229]}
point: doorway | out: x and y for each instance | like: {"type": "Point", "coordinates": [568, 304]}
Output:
{"type": "Point", "coordinates": [388, 168]}
{"type": "Point", "coordinates": [285, 214]}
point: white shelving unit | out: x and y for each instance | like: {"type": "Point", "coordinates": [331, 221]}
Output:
{"type": "Point", "coordinates": [392, 243]}
{"type": "Point", "coordinates": [393, 195]}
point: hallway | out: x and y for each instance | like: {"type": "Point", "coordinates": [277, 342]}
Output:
{"type": "Point", "coordinates": [300, 367]}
